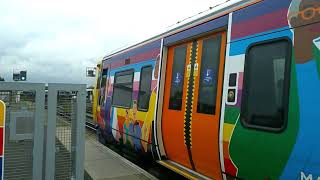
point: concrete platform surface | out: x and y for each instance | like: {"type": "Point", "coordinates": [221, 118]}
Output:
{"type": "Point", "coordinates": [101, 163]}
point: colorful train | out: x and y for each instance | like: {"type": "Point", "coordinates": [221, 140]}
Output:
{"type": "Point", "coordinates": [231, 94]}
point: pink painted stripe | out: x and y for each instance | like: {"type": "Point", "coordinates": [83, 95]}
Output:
{"type": "Point", "coordinates": [240, 81]}
{"type": "Point", "coordinates": [135, 59]}
{"type": "Point", "coordinates": [117, 64]}
{"type": "Point", "coordinates": [267, 22]}
{"type": "Point", "coordinates": [154, 83]}
{"type": "Point", "coordinates": [136, 86]}
{"type": "Point", "coordinates": [146, 56]}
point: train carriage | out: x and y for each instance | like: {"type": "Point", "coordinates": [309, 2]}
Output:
{"type": "Point", "coordinates": [230, 94]}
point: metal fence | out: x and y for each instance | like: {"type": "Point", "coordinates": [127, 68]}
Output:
{"type": "Point", "coordinates": [18, 134]}
{"type": "Point", "coordinates": [66, 110]}
{"type": "Point", "coordinates": [43, 142]}
{"type": "Point", "coordinates": [23, 130]}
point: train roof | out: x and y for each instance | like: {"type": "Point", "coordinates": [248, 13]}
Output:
{"type": "Point", "coordinates": [213, 13]}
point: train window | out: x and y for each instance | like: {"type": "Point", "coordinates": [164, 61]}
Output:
{"type": "Point", "coordinates": [145, 88]}
{"type": "Point", "coordinates": [266, 86]}
{"type": "Point", "coordinates": [103, 87]}
{"type": "Point", "coordinates": [122, 89]}
{"type": "Point", "coordinates": [177, 79]}
{"type": "Point", "coordinates": [209, 72]}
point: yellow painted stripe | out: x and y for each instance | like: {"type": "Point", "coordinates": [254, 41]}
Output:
{"type": "Point", "coordinates": [227, 131]}
{"type": "Point", "coordinates": [177, 170]}
{"type": "Point", "coordinates": [2, 113]}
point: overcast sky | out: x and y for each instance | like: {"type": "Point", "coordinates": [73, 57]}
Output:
{"type": "Point", "coordinates": [55, 40]}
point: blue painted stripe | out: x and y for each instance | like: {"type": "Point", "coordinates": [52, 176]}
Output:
{"type": "Point", "coordinates": [139, 50]}
{"type": "Point", "coordinates": [264, 7]}
{"type": "Point", "coordinates": [203, 28]}
{"type": "Point", "coordinates": [137, 67]}
{"type": "Point", "coordinates": [1, 163]}
{"type": "Point", "coordinates": [239, 47]}
{"type": "Point", "coordinates": [305, 155]}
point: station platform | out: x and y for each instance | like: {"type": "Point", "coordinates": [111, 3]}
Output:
{"type": "Point", "coordinates": [101, 163]}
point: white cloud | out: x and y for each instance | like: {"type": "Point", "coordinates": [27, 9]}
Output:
{"type": "Point", "coordinates": [56, 40]}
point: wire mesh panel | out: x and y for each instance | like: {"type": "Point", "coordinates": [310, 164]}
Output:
{"type": "Point", "coordinates": [19, 133]}
{"type": "Point", "coordinates": [89, 117]}
{"type": "Point", "coordinates": [66, 108]}
{"type": "Point", "coordinates": [66, 112]}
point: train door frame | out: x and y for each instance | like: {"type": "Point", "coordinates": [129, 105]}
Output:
{"type": "Point", "coordinates": [161, 84]}
{"type": "Point", "coordinates": [158, 114]}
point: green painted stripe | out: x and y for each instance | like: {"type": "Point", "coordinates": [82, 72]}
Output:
{"type": "Point", "coordinates": [231, 115]}
{"type": "Point", "coordinates": [316, 52]}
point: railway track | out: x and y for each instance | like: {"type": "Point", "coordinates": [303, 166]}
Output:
{"type": "Point", "coordinates": [89, 122]}
{"type": "Point", "coordinates": [67, 115]}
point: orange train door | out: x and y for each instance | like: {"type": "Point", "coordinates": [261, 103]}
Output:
{"type": "Point", "coordinates": [192, 104]}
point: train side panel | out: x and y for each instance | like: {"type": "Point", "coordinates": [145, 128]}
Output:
{"type": "Point", "coordinates": [130, 124]}
{"type": "Point", "coordinates": [269, 117]}
{"type": "Point", "coordinates": [273, 134]}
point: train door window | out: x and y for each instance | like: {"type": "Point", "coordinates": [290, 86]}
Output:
{"type": "Point", "coordinates": [103, 86]}
{"type": "Point", "coordinates": [122, 89]}
{"type": "Point", "coordinates": [266, 86]}
{"type": "Point", "coordinates": [145, 88]}
{"type": "Point", "coordinates": [210, 60]}
{"type": "Point", "coordinates": [177, 79]}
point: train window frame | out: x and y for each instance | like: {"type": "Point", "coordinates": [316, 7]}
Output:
{"type": "Point", "coordinates": [140, 83]}
{"type": "Point", "coordinates": [286, 86]}
{"type": "Point", "coordinates": [129, 71]}
{"type": "Point", "coordinates": [171, 103]}
{"type": "Point", "coordinates": [216, 59]}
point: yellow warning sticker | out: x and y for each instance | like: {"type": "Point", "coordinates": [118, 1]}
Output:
{"type": "Point", "coordinates": [196, 69]}
{"type": "Point", "coordinates": [188, 70]}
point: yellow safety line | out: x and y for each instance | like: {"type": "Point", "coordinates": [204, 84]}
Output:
{"type": "Point", "coordinates": [177, 170]}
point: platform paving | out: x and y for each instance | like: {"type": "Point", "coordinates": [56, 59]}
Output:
{"type": "Point", "coordinates": [101, 163]}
